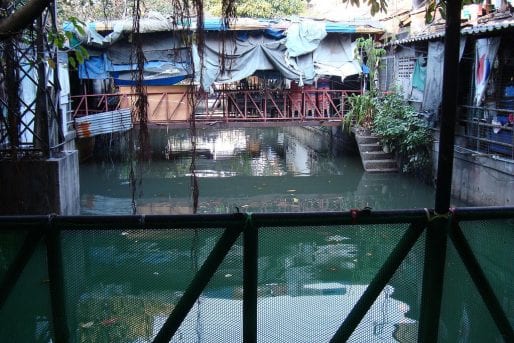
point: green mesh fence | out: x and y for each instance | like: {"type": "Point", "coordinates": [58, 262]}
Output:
{"type": "Point", "coordinates": [122, 277]}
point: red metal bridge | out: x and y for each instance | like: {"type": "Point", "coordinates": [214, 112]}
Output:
{"type": "Point", "coordinates": [173, 107]}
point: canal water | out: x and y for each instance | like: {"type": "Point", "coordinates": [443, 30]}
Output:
{"type": "Point", "coordinates": [121, 284]}
{"type": "Point", "coordinates": [250, 170]}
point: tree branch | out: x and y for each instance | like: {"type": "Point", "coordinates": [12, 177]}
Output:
{"type": "Point", "coordinates": [23, 17]}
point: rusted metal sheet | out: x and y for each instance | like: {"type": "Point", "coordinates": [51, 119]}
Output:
{"type": "Point", "coordinates": [102, 123]}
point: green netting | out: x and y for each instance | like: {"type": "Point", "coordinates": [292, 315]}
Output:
{"type": "Point", "coordinates": [121, 283]}
{"type": "Point", "coordinates": [492, 242]}
{"type": "Point", "coordinates": [311, 278]}
{"type": "Point", "coordinates": [394, 316]}
{"type": "Point", "coordinates": [26, 314]}
{"type": "Point", "coordinates": [10, 244]}
{"type": "Point", "coordinates": [217, 316]}
{"type": "Point", "coordinates": [464, 316]}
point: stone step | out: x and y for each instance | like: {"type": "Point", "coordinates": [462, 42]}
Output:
{"type": "Point", "coordinates": [387, 165]}
{"type": "Point", "coordinates": [383, 170]}
{"type": "Point", "coordinates": [367, 139]}
{"type": "Point", "coordinates": [376, 155]}
{"type": "Point", "coordinates": [370, 147]}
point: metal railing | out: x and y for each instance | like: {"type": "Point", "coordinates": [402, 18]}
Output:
{"type": "Point", "coordinates": [228, 105]}
{"type": "Point", "coordinates": [48, 229]}
{"type": "Point", "coordinates": [488, 130]}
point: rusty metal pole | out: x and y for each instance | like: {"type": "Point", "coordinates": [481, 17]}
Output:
{"type": "Point", "coordinates": [436, 238]}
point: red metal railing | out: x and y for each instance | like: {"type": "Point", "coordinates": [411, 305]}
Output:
{"type": "Point", "coordinates": [227, 105]}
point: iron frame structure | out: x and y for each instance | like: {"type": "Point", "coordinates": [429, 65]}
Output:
{"type": "Point", "coordinates": [30, 124]}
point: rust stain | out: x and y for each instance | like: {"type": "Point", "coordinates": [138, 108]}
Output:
{"type": "Point", "coordinates": [83, 129]}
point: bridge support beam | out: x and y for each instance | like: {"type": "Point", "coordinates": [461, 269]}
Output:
{"type": "Point", "coordinates": [40, 186]}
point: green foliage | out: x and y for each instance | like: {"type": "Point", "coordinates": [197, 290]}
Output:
{"type": "Point", "coordinates": [400, 128]}
{"type": "Point", "coordinates": [259, 8]}
{"type": "Point", "coordinates": [59, 39]}
{"type": "Point", "coordinates": [375, 6]}
{"type": "Point", "coordinates": [362, 107]}
{"type": "Point", "coordinates": [365, 49]}
{"type": "Point", "coordinates": [434, 6]}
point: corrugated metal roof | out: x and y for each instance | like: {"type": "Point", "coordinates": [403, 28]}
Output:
{"type": "Point", "coordinates": [490, 26]}
{"type": "Point", "coordinates": [238, 24]}
{"type": "Point", "coordinates": [102, 123]}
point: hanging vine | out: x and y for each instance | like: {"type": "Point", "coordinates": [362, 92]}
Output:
{"type": "Point", "coordinates": [139, 110]}
{"type": "Point", "coordinates": [183, 11]}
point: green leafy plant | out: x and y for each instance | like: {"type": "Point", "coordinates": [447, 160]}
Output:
{"type": "Point", "coordinates": [367, 51]}
{"type": "Point", "coordinates": [63, 41]}
{"type": "Point", "coordinates": [403, 131]}
{"type": "Point", "coordinates": [362, 107]}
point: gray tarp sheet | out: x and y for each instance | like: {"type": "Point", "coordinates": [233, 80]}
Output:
{"type": "Point", "coordinates": [434, 78]}
{"type": "Point", "coordinates": [434, 74]}
{"type": "Point", "coordinates": [244, 58]}
{"type": "Point", "coordinates": [304, 37]}
{"type": "Point", "coordinates": [306, 51]}
{"type": "Point", "coordinates": [333, 56]}
{"type": "Point", "coordinates": [158, 46]}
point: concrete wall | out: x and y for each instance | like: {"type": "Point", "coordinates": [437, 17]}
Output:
{"type": "Point", "coordinates": [481, 180]}
{"type": "Point", "coordinates": [40, 187]}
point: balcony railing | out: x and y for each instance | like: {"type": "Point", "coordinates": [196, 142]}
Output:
{"type": "Point", "coordinates": [488, 130]}
{"type": "Point", "coordinates": [79, 256]}
{"type": "Point", "coordinates": [227, 105]}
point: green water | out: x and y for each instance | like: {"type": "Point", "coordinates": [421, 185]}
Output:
{"type": "Point", "coordinates": [121, 284]}
{"type": "Point", "coordinates": [255, 170]}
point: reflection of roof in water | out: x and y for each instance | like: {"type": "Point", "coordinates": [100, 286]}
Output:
{"type": "Point", "coordinates": [298, 319]}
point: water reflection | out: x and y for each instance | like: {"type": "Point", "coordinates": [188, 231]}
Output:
{"type": "Point", "coordinates": [255, 170]}
{"type": "Point", "coordinates": [308, 282]}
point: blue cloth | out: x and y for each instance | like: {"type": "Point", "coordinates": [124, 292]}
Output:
{"type": "Point", "coordinates": [275, 34]}
{"type": "Point", "coordinates": [420, 73]}
{"type": "Point", "coordinates": [93, 68]}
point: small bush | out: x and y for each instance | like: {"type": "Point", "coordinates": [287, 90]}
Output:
{"type": "Point", "coordinates": [401, 129]}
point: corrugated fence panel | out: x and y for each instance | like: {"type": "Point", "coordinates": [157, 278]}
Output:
{"type": "Point", "coordinates": [102, 123]}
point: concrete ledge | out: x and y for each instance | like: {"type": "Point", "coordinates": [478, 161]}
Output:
{"type": "Point", "coordinates": [40, 186]}
{"type": "Point", "coordinates": [481, 180]}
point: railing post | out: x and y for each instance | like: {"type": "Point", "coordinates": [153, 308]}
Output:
{"type": "Point", "coordinates": [250, 279]}
{"type": "Point", "coordinates": [56, 277]}
{"type": "Point", "coordinates": [433, 276]}
{"type": "Point", "coordinates": [436, 238]}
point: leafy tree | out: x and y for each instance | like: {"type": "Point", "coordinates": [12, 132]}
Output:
{"type": "Point", "coordinates": [260, 8]}
{"type": "Point", "coordinates": [367, 51]}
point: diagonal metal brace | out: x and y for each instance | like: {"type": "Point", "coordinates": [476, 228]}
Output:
{"type": "Point", "coordinates": [378, 283]}
{"type": "Point", "coordinates": [197, 285]}
{"type": "Point", "coordinates": [20, 261]}
{"type": "Point", "coordinates": [482, 284]}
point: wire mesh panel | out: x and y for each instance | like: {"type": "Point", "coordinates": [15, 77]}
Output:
{"type": "Point", "coordinates": [394, 315]}
{"type": "Point", "coordinates": [465, 316]}
{"type": "Point", "coordinates": [26, 316]}
{"type": "Point", "coordinates": [311, 278]}
{"type": "Point", "coordinates": [217, 315]}
{"type": "Point", "coordinates": [122, 284]}
{"type": "Point", "coordinates": [320, 278]}
{"type": "Point", "coordinates": [10, 245]}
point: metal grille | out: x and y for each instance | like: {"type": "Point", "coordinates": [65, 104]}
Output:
{"type": "Point", "coordinates": [306, 277]}
{"type": "Point", "coordinates": [31, 123]}
{"type": "Point", "coordinates": [464, 315]}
